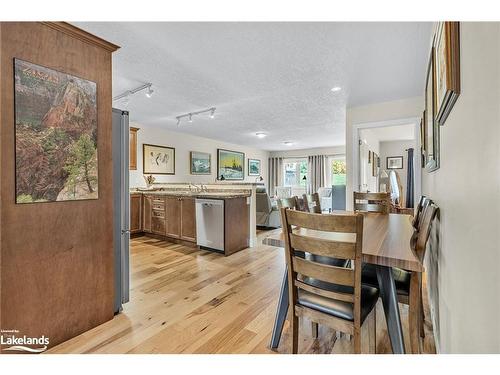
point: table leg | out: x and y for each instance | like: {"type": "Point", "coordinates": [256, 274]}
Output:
{"type": "Point", "coordinates": [389, 296]}
{"type": "Point", "coordinates": [281, 312]}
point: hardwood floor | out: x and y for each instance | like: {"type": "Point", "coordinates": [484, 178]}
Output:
{"type": "Point", "coordinates": [184, 300]}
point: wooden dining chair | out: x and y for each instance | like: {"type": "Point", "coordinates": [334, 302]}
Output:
{"type": "Point", "coordinates": [291, 202]}
{"type": "Point", "coordinates": [372, 202]}
{"type": "Point", "coordinates": [409, 284]}
{"type": "Point", "coordinates": [312, 203]}
{"type": "Point", "coordinates": [337, 298]}
{"type": "Point", "coordinates": [422, 205]}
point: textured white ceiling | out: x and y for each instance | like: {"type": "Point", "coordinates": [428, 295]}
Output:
{"type": "Point", "coordinates": [264, 77]}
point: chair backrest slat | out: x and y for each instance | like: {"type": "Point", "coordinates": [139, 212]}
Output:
{"type": "Point", "coordinates": [372, 202]}
{"type": "Point", "coordinates": [346, 297]}
{"type": "Point", "coordinates": [312, 203]}
{"type": "Point", "coordinates": [330, 274]}
{"type": "Point", "coordinates": [422, 205]}
{"type": "Point", "coordinates": [328, 223]}
{"type": "Point", "coordinates": [323, 247]}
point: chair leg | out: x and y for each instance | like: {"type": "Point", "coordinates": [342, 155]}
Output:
{"type": "Point", "coordinates": [357, 340]}
{"type": "Point", "coordinates": [314, 327]}
{"type": "Point", "coordinates": [422, 312]}
{"type": "Point", "coordinates": [294, 328]}
{"type": "Point", "coordinates": [414, 313]}
{"type": "Point", "coordinates": [372, 331]}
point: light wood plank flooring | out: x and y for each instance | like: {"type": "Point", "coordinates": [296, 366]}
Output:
{"type": "Point", "coordinates": [184, 300]}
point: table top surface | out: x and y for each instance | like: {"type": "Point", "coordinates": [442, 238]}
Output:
{"type": "Point", "coordinates": [386, 240]}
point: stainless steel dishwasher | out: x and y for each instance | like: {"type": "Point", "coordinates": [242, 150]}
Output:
{"type": "Point", "coordinates": [210, 224]}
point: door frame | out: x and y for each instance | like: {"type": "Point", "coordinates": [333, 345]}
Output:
{"type": "Point", "coordinates": [356, 128]}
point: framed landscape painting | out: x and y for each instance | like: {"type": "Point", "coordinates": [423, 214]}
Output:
{"type": "Point", "coordinates": [158, 159]}
{"type": "Point", "coordinates": [253, 167]}
{"type": "Point", "coordinates": [447, 69]}
{"type": "Point", "coordinates": [230, 165]}
{"type": "Point", "coordinates": [431, 125]}
{"type": "Point", "coordinates": [55, 135]}
{"type": "Point", "coordinates": [200, 162]}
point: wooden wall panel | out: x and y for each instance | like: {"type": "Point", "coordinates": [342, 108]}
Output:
{"type": "Point", "coordinates": [56, 265]}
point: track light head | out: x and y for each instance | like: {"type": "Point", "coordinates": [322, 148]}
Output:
{"type": "Point", "coordinates": [190, 119]}
{"type": "Point", "coordinates": [212, 113]}
{"type": "Point", "coordinates": [150, 92]}
{"type": "Point", "coordinates": [178, 121]}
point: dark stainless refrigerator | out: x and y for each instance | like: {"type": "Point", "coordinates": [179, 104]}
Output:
{"type": "Point", "coordinates": [121, 198]}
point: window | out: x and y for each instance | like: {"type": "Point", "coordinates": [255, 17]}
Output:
{"type": "Point", "coordinates": [294, 172]}
{"type": "Point", "coordinates": [337, 170]}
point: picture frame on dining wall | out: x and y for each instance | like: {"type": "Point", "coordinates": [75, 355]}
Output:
{"type": "Point", "coordinates": [447, 68]}
{"type": "Point", "coordinates": [394, 162]}
{"type": "Point", "coordinates": [430, 123]}
{"type": "Point", "coordinates": [422, 140]}
{"type": "Point", "coordinates": [158, 159]}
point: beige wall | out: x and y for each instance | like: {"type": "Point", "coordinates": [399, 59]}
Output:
{"type": "Point", "coordinates": [183, 144]}
{"type": "Point", "coordinates": [382, 113]}
{"type": "Point", "coordinates": [464, 260]}
{"type": "Point", "coordinates": [397, 148]}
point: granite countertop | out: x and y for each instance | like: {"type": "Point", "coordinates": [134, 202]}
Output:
{"type": "Point", "coordinates": [207, 195]}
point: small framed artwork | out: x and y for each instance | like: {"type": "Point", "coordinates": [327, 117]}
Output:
{"type": "Point", "coordinates": [230, 165]}
{"type": "Point", "coordinates": [394, 162]}
{"type": "Point", "coordinates": [447, 68]}
{"type": "Point", "coordinates": [253, 167]}
{"type": "Point", "coordinates": [158, 159]}
{"type": "Point", "coordinates": [375, 164]}
{"type": "Point", "coordinates": [200, 162]}
{"type": "Point", "coordinates": [430, 123]}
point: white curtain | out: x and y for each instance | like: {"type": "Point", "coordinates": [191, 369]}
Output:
{"type": "Point", "coordinates": [275, 172]}
{"type": "Point", "coordinates": [316, 173]}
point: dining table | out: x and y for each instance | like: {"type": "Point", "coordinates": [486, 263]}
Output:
{"type": "Point", "coordinates": [386, 244]}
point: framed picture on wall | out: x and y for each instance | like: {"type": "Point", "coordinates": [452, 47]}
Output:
{"type": "Point", "coordinates": [422, 140]}
{"type": "Point", "coordinates": [447, 68]}
{"type": "Point", "coordinates": [230, 165]}
{"type": "Point", "coordinates": [253, 167]}
{"type": "Point", "coordinates": [375, 164]}
{"type": "Point", "coordinates": [158, 159]}
{"type": "Point", "coordinates": [394, 162]}
{"type": "Point", "coordinates": [55, 135]}
{"type": "Point", "coordinates": [431, 125]}
{"type": "Point", "coordinates": [200, 162]}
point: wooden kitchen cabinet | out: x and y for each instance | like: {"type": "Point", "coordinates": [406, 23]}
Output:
{"type": "Point", "coordinates": [188, 219]}
{"type": "Point", "coordinates": [147, 206]}
{"type": "Point", "coordinates": [135, 213]}
{"type": "Point", "coordinates": [170, 216]}
{"type": "Point", "coordinates": [173, 210]}
{"type": "Point", "coordinates": [133, 148]}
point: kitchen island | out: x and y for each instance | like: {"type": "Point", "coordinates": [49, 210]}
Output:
{"type": "Point", "coordinates": [178, 215]}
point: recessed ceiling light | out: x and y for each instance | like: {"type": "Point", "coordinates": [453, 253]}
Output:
{"type": "Point", "coordinates": [288, 143]}
{"type": "Point", "coordinates": [336, 89]}
{"type": "Point", "coordinates": [261, 135]}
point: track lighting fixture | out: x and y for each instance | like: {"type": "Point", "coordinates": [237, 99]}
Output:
{"type": "Point", "coordinates": [191, 114]}
{"type": "Point", "coordinates": [129, 93]}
